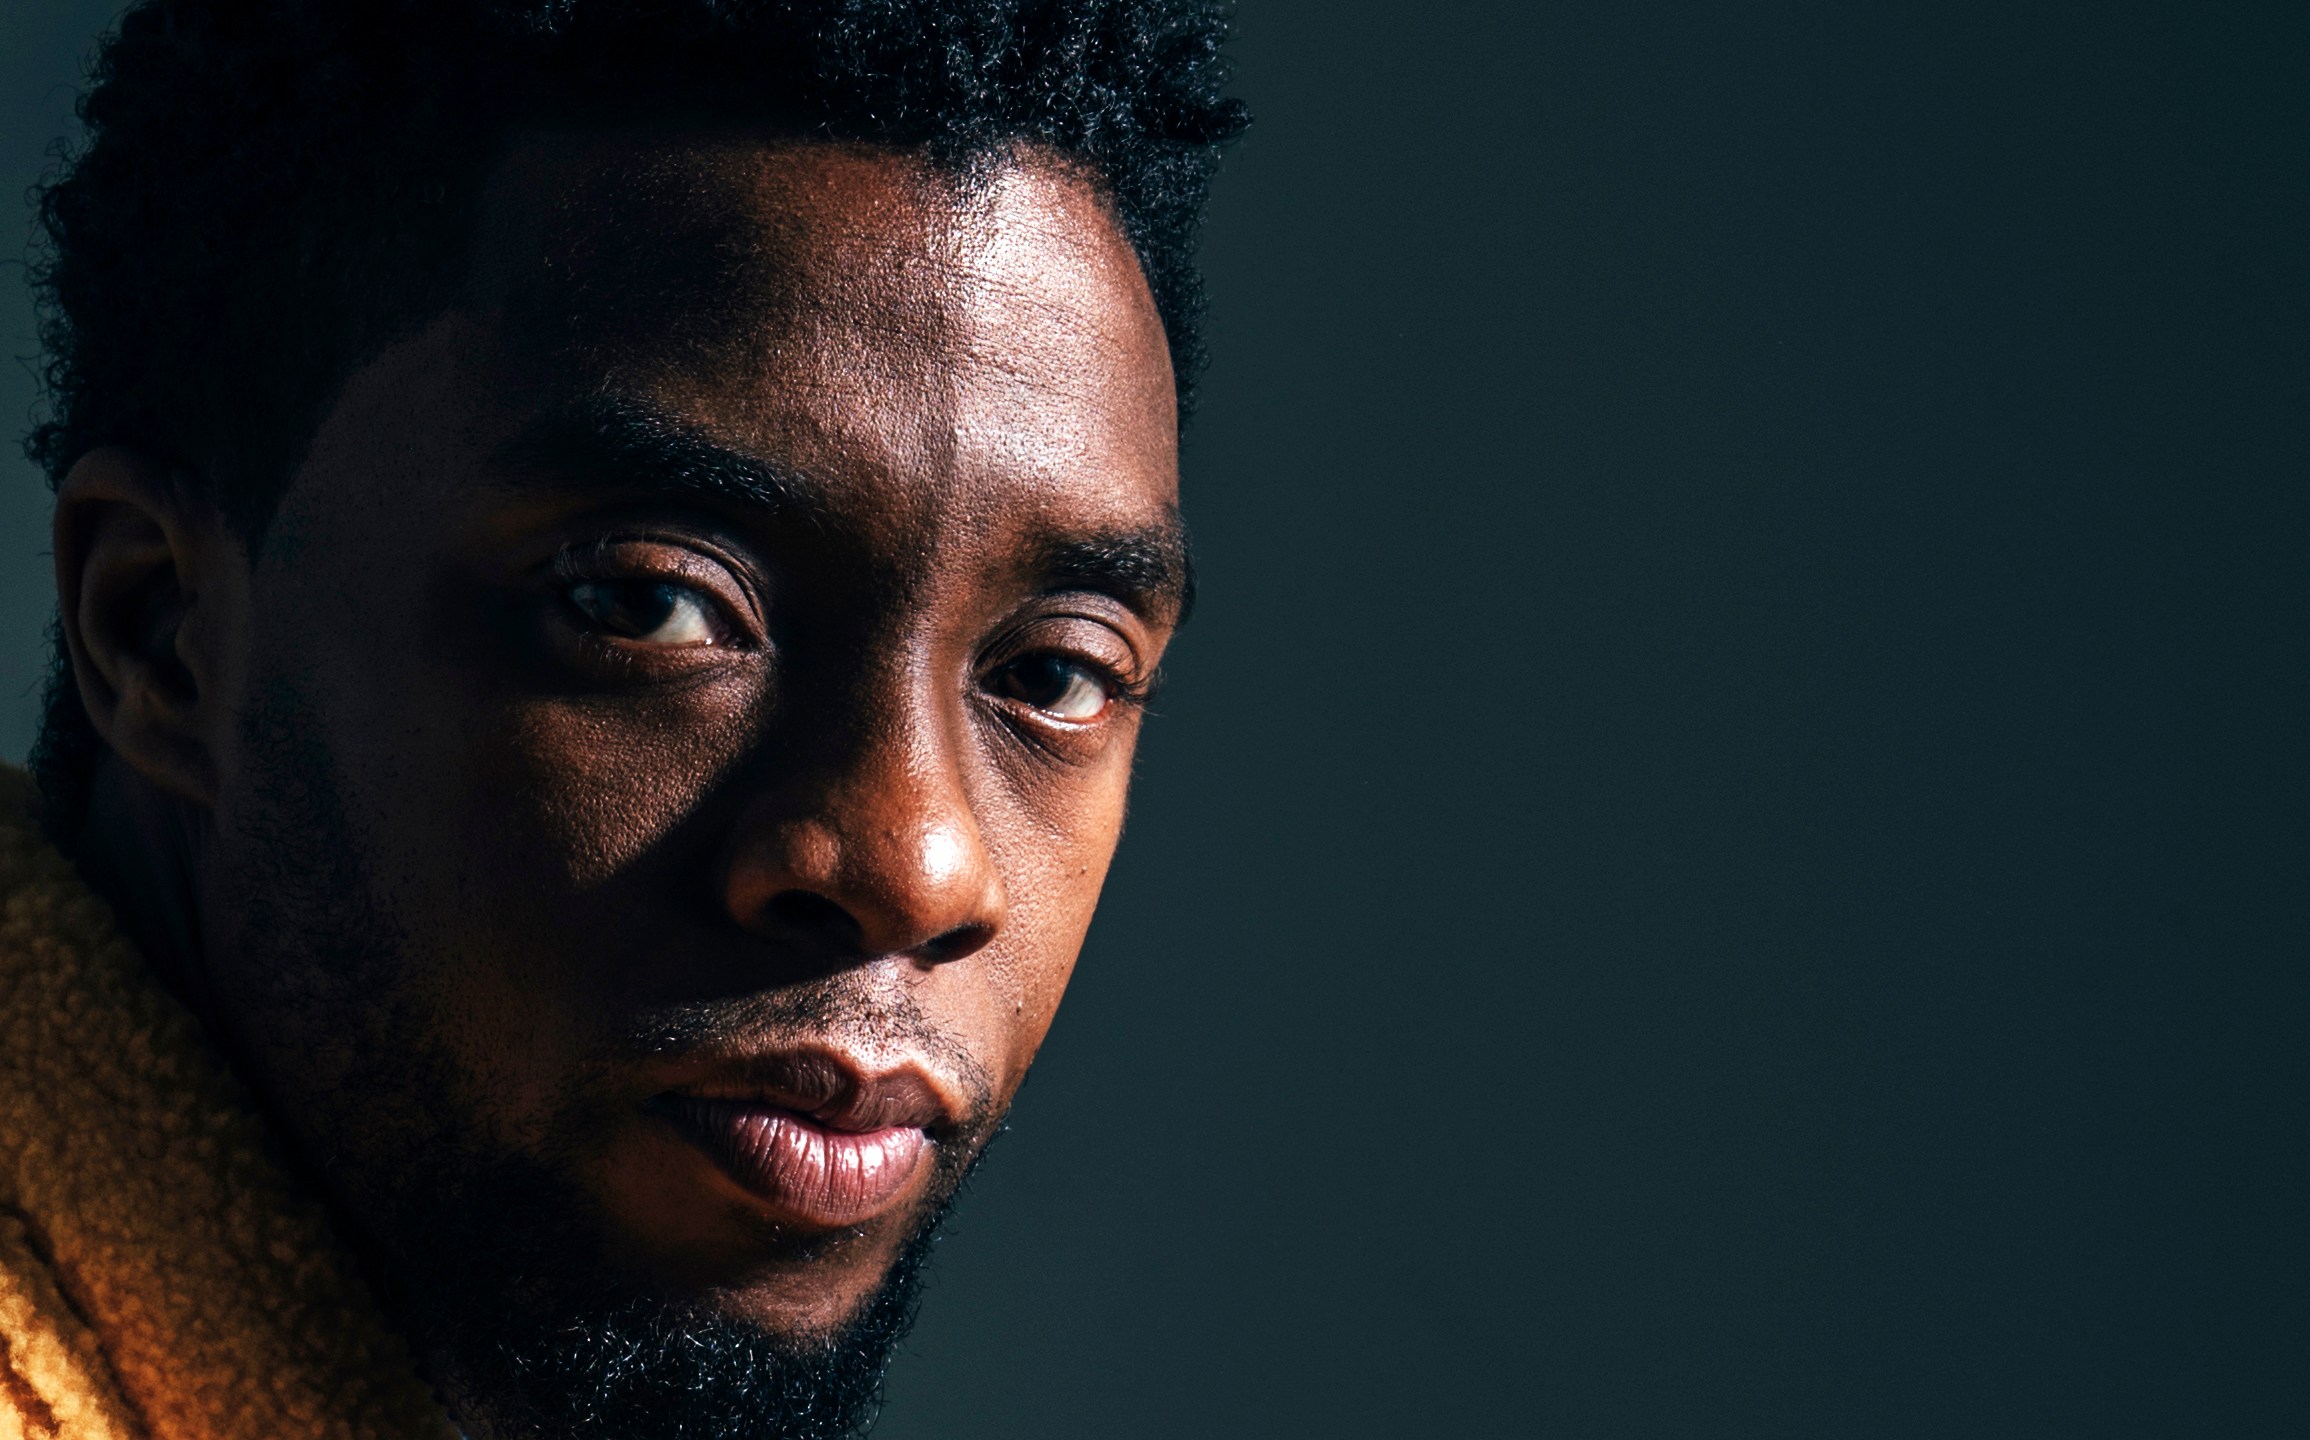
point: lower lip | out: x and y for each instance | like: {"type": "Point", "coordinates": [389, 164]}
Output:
{"type": "Point", "coordinates": [809, 1174]}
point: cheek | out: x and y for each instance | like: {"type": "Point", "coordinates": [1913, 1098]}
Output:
{"type": "Point", "coordinates": [576, 838]}
{"type": "Point", "coordinates": [1052, 884]}
{"type": "Point", "coordinates": [493, 829]}
{"type": "Point", "coordinates": [599, 788]}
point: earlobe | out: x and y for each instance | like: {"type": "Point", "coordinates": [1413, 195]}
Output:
{"type": "Point", "coordinates": [151, 586]}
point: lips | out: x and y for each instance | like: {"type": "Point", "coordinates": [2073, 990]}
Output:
{"type": "Point", "coordinates": [822, 1146]}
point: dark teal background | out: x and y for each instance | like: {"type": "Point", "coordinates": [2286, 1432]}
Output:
{"type": "Point", "coordinates": [1726, 855]}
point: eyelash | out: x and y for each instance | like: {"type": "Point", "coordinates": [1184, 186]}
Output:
{"type": "Point", "coordinates": [579, 566]}
{"type": "Point", "coordinates": [1135, 693]}
{"type": "Point", "coordinates": [1122, 690]}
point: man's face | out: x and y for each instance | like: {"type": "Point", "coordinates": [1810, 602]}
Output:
{"type": "Point", "coordinates": [686, 724]}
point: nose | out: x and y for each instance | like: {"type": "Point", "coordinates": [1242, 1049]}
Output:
{"type": "Point", "coordinates": [884, 857]}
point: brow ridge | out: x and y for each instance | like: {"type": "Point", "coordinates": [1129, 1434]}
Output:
{"type": "Point", "coordinates": [634, 445]}
{"type": "Point", "coordinates": [628, 444]}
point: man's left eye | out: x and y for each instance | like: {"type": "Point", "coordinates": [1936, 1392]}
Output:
{"type": "Point", "coordinates": [1061, 688]}
{"type": "Point", "coordinates": [651, 612]}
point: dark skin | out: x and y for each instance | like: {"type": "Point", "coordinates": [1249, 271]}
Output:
{"type": "Point", "coordinates": [722, 631]}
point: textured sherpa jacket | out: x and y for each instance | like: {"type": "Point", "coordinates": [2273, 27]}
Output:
{"type": "Point", "coordinates": [162, 1277]}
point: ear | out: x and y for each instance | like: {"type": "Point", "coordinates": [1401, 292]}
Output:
{"type": "Point", "coordinates": [152, 593]}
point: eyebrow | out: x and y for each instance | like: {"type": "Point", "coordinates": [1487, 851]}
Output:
{"type": "Point", "coordinates": [1150, 570]}
{"type": "Point", "coordinates": [618, 443]}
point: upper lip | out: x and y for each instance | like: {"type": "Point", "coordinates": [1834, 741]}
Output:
{"type": "Point", "coordinates": [836, 1090]}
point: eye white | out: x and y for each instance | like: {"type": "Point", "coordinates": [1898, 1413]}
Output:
{"type": "Point", "coordinates": [1082, 699]}
{"type": "Point", "coordinates": [648, 611]}
{"type": "Point", "coordinates": [1058, 688]}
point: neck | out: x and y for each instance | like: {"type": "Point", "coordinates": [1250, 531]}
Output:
{"type": "Point", "coordinates": [136, 848]}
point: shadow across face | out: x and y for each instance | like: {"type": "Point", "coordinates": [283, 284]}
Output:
{"type": "Point", "coordinates": [689, 706]}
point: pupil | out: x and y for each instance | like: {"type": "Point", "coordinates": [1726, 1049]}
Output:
{"type": "Point", "coordinates": [633, 607]}
{"type": "Point", "coordinates": [1042, 680]}
{"type": "Point", "coordinates": [647, 606]}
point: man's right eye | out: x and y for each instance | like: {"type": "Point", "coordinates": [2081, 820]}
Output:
{"type": "Point", "coordinates": [647, 612]}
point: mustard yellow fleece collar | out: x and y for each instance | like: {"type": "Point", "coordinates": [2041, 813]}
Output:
{"type": "Point", "coordinates": [163, 1276]}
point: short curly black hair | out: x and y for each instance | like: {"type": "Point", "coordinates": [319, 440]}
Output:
{"type": "Point", "coordinates": [272, 190]}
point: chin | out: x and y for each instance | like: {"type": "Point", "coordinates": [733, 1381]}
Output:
{"type": "Point", "coordinates": [735, 1326]}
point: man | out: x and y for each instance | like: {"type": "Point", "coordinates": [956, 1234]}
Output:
{"type": "Point", "coordinates": [609, 557]}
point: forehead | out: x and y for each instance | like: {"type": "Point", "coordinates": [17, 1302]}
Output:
{"type": "Point", "coordinates": [905, 334]}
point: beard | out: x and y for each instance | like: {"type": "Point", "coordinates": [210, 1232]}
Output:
{"type": "Point", "coordinates": [642, 1373]}
{"type": "Point", "coordinates": [530, 1349]}
{"type": "Point", "coordinates": [489, 1259]}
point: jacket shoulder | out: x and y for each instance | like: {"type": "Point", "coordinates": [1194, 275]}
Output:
{"type": "Point", "coordinates": [54, 1384]}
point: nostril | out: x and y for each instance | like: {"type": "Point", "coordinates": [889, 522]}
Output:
{"type": "Point", "coordinates": [954, 944]}
{"type": "Point", "coordinates": [818, 919]}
